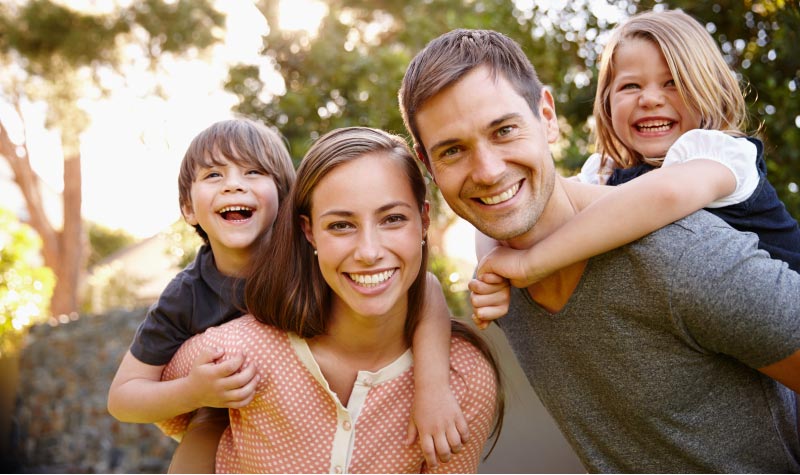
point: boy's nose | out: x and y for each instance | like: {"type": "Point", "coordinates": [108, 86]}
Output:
{"type": "Point", "coordinates": [234, 182]}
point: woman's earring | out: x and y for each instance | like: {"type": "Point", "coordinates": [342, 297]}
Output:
{"type": "Point", "coordinates": [315, 252]}
{"type": "Point", "coordinates": [423, 243]}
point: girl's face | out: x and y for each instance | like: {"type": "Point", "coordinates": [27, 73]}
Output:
{"type": "Point", "coordinates": [647, 112]}
{"type": "Point", "coordinates": [367, 229]}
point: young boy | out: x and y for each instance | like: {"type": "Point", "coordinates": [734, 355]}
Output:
{"type": "Point", "coordinates": [233, 177]}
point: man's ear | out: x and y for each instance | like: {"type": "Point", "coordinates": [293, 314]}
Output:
{"type": "Point", "coordinates": [305, 224]}
{"type": "Point", "coordinates": [423, 157]}
{"type": "Point", "coordinates": [547, 112]}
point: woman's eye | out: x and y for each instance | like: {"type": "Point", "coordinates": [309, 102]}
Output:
{"type": "Point", "coordinates": [396, 218]}
{"type": "Point", "coordinates": [339, 226]}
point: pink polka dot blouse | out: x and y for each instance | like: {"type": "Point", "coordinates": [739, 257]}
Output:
{"type": "Point", "coordinates": [296, 424]}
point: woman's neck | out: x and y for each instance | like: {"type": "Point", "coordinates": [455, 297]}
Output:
{"type": "Point", "coordinates": [356, 343]}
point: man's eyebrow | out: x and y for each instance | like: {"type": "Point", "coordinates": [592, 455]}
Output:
{"type": "Point", "coordinates": [448, 142]}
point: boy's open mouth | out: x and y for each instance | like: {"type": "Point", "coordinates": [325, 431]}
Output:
{"type": "Point", "coordinates": [236, 213]}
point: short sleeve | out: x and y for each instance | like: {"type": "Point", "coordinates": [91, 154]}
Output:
{"type": "Point", "coordinates": [737, 154]}
{"type": "Point", "coordinates": [592, 172]}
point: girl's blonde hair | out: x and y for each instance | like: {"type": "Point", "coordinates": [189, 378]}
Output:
{"type": "Point", "coordinates": [702, 77]}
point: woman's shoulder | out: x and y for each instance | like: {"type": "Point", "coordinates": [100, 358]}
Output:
{"type": "Point", "coordinates": [245, 329]}
{"type": "Point", "coordinates": [465, 357]}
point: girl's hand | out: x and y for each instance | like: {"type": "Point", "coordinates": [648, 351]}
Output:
{"type": "Point", "coordinates": [490, 296]}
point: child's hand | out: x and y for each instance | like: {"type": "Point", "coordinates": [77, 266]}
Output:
{"type": "Point", "coordinates": [490, 295]}
{"type": "Point", "coordinates": [441, 425]}
{"type": "Point", "coordinates": [521, 267]}
{"type": "Point", "coordinates": [230, 383]}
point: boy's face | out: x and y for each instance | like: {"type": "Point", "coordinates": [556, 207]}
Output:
{"type": "Point", "coordinates": [234, 205]}
{"type": "Point", "coordinates": [489, 153]}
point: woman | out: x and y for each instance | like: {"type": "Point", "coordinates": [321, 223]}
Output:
{"type": "Point", "coordinates": [334, 301]}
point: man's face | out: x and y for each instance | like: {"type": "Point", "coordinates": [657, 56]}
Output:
{"type": "Point", "coordinates": [489, 154]}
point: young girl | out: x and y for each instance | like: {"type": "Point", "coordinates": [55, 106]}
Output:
{"type": "Point", "coordinates": [666, 104]}
{"type": "Point", "coordinates": [233, 178]}
{"type": "Point", "coordinates": [335, 301]}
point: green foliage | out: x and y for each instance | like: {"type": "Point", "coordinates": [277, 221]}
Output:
{"type": "Point", "coordinates": [104, 242]}
{"type": "Point", "coordinates": [110, 287]}
{"type": "Point", "coordinates": [25, 284]}
{"type": "Point", "coordinates": [454, 283]}
{"type": "Point", "coordinates": [183, 243]}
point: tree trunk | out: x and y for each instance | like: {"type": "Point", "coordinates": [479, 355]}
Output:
{"type": "Point", "coordinates": [62, 251]}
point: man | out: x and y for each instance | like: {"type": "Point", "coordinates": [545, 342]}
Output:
{"type": "Point", "coordinates": [675, 353]}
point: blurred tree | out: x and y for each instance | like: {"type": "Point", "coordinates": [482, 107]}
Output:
{"type": "Point", "coordinates": [53, 54]}
{"type": "Point", "coordinates": [25, 284]}
{"type": "Point", "coordinates": [104, 241]}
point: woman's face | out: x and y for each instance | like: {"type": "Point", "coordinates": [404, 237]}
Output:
{"type": "Point", "coordinates": [367, 229]}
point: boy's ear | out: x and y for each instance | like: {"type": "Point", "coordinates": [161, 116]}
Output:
{"type": "Point", "coordinates": [188, 214]}
{"type": "Point", "coordinates": [423, 157]}
{"type": "Point", "coordinates": [305, 223]}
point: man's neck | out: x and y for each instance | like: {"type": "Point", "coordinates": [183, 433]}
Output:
{"type": "Point", "coordinates": [568, 198]}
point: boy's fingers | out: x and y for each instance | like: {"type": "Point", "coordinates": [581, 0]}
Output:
{"type": "Point", "coordinates": [429, 452]}
{"type": "Point", "coordinates": [208, 354]}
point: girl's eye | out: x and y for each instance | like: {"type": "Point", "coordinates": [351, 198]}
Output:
{"type": "Point", "coordinates": [629, 85]}
{"type": "Point", "coordinates": [670, 83]}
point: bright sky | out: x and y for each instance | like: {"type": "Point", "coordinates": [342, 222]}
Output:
{"type": "Point", "coordinates": [132, 151]}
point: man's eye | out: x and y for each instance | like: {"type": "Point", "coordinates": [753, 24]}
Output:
{"type": "Point", "coordinates": [450, 151]}
{"type": "Point", "coordinates": [505, 130]}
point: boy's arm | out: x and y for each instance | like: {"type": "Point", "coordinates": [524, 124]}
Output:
{"type": "Point", "coordinates": [138, 395]}
{"type": "Point", "coordinates": [441, 425]}
{"type": "Point", "coordinates": [624, 214]}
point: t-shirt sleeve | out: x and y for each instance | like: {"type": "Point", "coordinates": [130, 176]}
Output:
{"type": "Point", "coordinates": [742, 303]}
{"type": "Point", "coordinates": [737, 154]}
{"type": "Point", "coordinates": [166, 325]}
{"type": "Point", "coordinates": [592, 172]}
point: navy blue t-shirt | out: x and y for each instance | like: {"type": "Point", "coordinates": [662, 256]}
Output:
{"type": "Point", "coordinates": [198, 298]}
{"type": "Point", "coordinates": [762, 213]}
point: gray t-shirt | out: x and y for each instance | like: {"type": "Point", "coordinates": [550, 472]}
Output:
{"type": "Point", "coordinates": [197, 298]}
{"type": "Point", "coordinates": [650, 366]}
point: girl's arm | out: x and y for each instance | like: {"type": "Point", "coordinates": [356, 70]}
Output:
{"type": "Point", "coordinates": [441, 425]}
{"type": "Point", "coordinates": [138, 395]}
{"type": "Point", "coordinates": [625, 214]}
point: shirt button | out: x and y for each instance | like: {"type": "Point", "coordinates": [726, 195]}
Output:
{"type": "Point", "coordinates": [338, 469]}
{"type": "Point", "coordinates": [346, 425]}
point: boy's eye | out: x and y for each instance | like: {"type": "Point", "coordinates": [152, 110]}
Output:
{"type": "Point", "coordinates": [256, 172]}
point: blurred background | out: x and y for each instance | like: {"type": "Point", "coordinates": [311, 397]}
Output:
{"type": "Point", "coordinates": [99, 99]}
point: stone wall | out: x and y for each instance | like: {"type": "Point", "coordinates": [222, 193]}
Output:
{"type": "Point", "coordinates": [61, 422]}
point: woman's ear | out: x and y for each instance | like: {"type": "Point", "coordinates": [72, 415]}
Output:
{"type": "Point", "coordinates": [305, 223]}
{"type": "Point", "coordinates": [426, 218]}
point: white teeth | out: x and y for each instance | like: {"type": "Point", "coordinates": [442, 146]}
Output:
{"type": "Point", "coordinates": [504, 196]}
{"type": "Point", "coordinates": [234, 208]}
{"type": "Point", "coordinates": [371, 280]}
{"type": "Point", "coordinates": [655, 125]}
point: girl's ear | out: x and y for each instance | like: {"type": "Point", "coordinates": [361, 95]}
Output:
{"type": "Point", "coordinates": [305, 223]}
